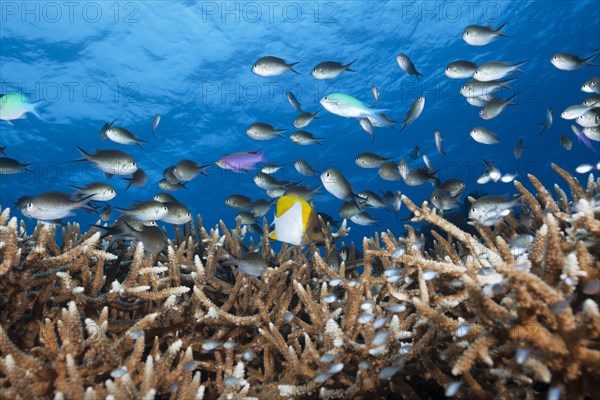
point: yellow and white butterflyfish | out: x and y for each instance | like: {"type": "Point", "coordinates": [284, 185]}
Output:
{"type": "Point", "coordinates": [296, 222]}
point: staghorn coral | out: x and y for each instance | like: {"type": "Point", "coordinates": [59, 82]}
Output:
{"type": "Point", "coordinates": [91, 318]}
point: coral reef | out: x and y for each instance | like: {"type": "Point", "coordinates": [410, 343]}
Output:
{"type": "Point", "coordinates": [469, 317]}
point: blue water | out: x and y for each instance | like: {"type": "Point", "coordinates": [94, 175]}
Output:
{"type": "Point", "coordinates": [93, 62]}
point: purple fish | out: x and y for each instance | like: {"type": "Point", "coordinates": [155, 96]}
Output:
{"type": "Point", "coordinates": [578, 131]}
{"type": "Point", "coordinates": [242, 161]}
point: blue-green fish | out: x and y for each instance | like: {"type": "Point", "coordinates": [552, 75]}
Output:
{"type": "Point", "coordinates": [347, 106]}
{"type": "Point", "coordinates": [15, 106]}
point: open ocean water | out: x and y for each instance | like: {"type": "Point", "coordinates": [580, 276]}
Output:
{"type": "Point", "coordinates": [92, 62]}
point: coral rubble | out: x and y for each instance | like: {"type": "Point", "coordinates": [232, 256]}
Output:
{"type": "Point", "coordinates": [469, 317]}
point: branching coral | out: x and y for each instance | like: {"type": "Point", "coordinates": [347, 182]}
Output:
{"type": "Point", "coordinates": [92, 317]}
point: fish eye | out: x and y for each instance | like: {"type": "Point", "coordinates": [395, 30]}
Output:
{"type": "Point", "coordinates": [29, 205]}
{"type": "Point", "coordinates": [133, 163]}
{"type": "Point", "coordinates": [315, 229]}
{"type": "Point", "coordinates": [189, 214]}
{"type": "Point", "coordinates": [463, 87]}
{"type": "Point", "coordinates": [480, 111]}
{"type": "Point", "coordinates": [473, 209]}
{"type": "Point", "coordinates": [435, 197]}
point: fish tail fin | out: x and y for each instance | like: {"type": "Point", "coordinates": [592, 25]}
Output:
{"type": "Point", "coordinates": [34, 111]}
{"type": "Point", "coordinates": [347, 66]}
{"type": "Point", "coordinates": [291, 66]}
{"type": "Point", "coordinates": [504, 84]}
{"type": "Point", "coordinates": [417, 74]}
{"type": "Point", "coordinates": [517, 65]}
{"type": "Point", "coordinates": [593, 58]}
{"type": "Point", "coordinates": [129, 183]}
{"type": "Point", "coordinates": [139, 143]}
{"type": "Point", "coordinates": [500, 28]}
{"type": "Point", "coordinates": [86, 155]}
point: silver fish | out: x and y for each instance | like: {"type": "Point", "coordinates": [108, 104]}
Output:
{"type": "Point", "coordinates": [262, 131]}
{"type": "Point", "coordinates": [407, 65]}
{"type": "Point", "coordinates": [474, 88]}
{"type": "Point", "coordinates": [494, 70]}
{"type": "Point", "coordinates": [569, 62]}
{"type": "Point", "coordinates": [590, 118]}
{"type": "Point", "coordinates": [592, 100]}
{"type": "Point", "coordinates": [565, 142]}
{"type": "Point", "coordinates": [252, 264]}
{"type": "Point", "coordinates": [349, 209]}
{"type": "Point", "coordinates": [267, 182]}
{"type": "Point", "coordinates": [304, 168]}
{"type": "Point", "coordinates": [164, 197]}
{"type": "Point", "coordinates": [591, 85]}
{"type": "Point", "coordinates": [177, 213]}
{"type": "Point", "coordinates": [370, 160]}
{"type": "Point", "coordinates": [549, 119]}
{"type": "Point", "coordinates": [484, 136]}
{"type": "Point", "coordinates": [165, 185]}
{"type": "Point", "coordinates": [494, 107]}
{"type": "Point", "coordinates": [304, 138]}
{"type": "Point", "coordinates": [23, 201]}
{"type": "Point", "coordinates": [479, 101]}
{"type": "Point", "coordinates": [592, 133]}
{"type": "Point", "coordinates": [186, 170]}
{"type": "Point", "coordinates": [170, 176]}
{"type": "Point", "coordinates": [416, 108]}
{"type": "Point", "coordinates": [363, 218]}
{"type": "Point", "coordinates": [460, 69]}
{"type": "Point", "coordinates": [119, 135]}
{"type": "Point", "coordinates": [304, 119]}
{"type": "Point", "coordinates": [294, 102]}
{"type": "Point", "coordinates": [337, 184]}
{"type": "Point", "coordinates": [575, 111]}
{"type": "Point", "coordinates": [53, 206]}
{"type": "Point", "coordinates": [439, 142]}
{"type": "Point", "coordinates": [238, 202]}
{"type": "Point", "coordinates": [139, 179]}
{"type": "Point", "coordinates": [420, 176]}
{"type": "Point", "coordinates": [487, 210]}
{"type": "Point", "coordinates": [150, 210]}
{"type": "Point", "coordinates": [477, 35]}
{"type": "Point", "coordinates": [454, 187]}
{"type": "Point", "coordinates": [330, 69]}
{"type": "Point", "coordinates": [111, 162]}
{"type": "Point", "coordinates": [12, 166]}
{"type": "Point", "coordinates": [366, 125]}
{"type": "Point", "coordinates": [98, 191]}
{"type": "Point", "coordinates": [302, 192]}
{"type": "Point", "coordinates": [372, 199]}
{"type": "Point", "coordinates": [389, 171]}
{"type": "Point", "coordinates": [155, 122]}
{"type": "Point", "coordinates": [152, 237]}
{"type": "Point", "coordinates": [261, 207]}
{"type": "Point", "coordinates": [106, 212]}
{"type": "Point", "coordinates": [272, 66]}
{"type": "Point", "coordinates": [375, 93]}
{"type": "Point", "coordinates": [246, 218]}
{"type": "Point", "coordinates": [518, 151]}
{"type": "Point", "coordinates": [442, 200]}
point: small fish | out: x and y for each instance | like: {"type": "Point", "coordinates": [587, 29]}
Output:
{"type": "Point", "coordinates": [439, 142]}
{"type": "Point", "coordinates": [494, 70]}
{"type": "Point", "coordinates": [262, 131]}
{"type": "Point", "coordinates": [302, 192]}
{"type": "Point", "coordinates": [330, 69]}
{"type": "Point", "coordinates": [592, 100]}
{"type": "Point", "coordinates": [349, 107]}
{"type": "Point", "coordinates": [375, 93]}
{"type": "Point", "coordinates": [565, 142]}
{"type": "Point", "coordinates": [507, 178]}
{"type": "Point", "coordinates": [12, 166]}
{"type": "Point", "coordinates": [363, 218]}
{"type": "Point", "coordinates": [261, 207]}
{"type": "Point", "coordinates": [403, 169]}
{"type": "Point", "coordinates": [186, 170]}
{"type": "Point", "coordinates": [164, 197]}
{"type": "Point", "coordinates": [155, 122]}
{"type": "Point", "coordinates": [479, 101]}
{"type": "Point", "coordinates": [420, 176]}
{"type": "Point", "coordinates": [152, 237]}
{"type": "Point", "coordinates": [474, 88]}
{"type": "Point", "coordinates": [267, 182]}
{"type": "Point", "coordinates": [454, 187]}
{"type": "Point", "coordinates": [521, 244]}
{"type": "Point", "coordinates": [416, 108]}
{"type": "Point", "coordinates": [590, 118]}
{"type": "Point", "coordinates": [275, 192]}
{"type": "Point", "coordinates": [97, 191]}
{"type": "Point", "coordinates": [407, 65]}
{"type": "Point", "coordinates": [150, 210]}
{"type": "Point", "coordinates": [50, 206]}
{"type": "Point", "coordinates": [442, 200]}
{"type": "Point", "coordinates": [487, 210]}
{"type": "Point", "coordinates": [270, 168]}
{"type": "Point", "coordinates": [170, 176]}
{"type": "Point", "coordinates": [177, 213]}
{"type": "Point", "coordinates": [460, 69]}
{"type": "Point", "coordinates": [304, 119]}
{"type": "Point", "coordinates": [139, 179]}
{"type": "Point", "coordinates": [119, 229]}
{"type": "Point", "coordinates": [304, 138]}
{"type": "Point", "coordinates": [304, 168]}
{"type": "Point", "coordinates": [163, 184]}
{"type": "Point", "coordinates": [477, 35]}
{"type": "Point", "coordinates": [337, 184]}
{"type": "Point", "coordinates": [591, 85]}
{"type": "Point", "coordinates": [491, 171]}
{"type": "Point", "coordinates": [22, 202]}
{"type": "Point", "coordinates": [296, 222]}
{"type": "Point", "coordinates": [575, 111]}
{"type": "Point", "coordinates": [518, 150]}
{"type": "Point", "coordinates": [294, 102]}
{"type": "Point", "coordinates": [241, 161]}
{"type": "Point", "coordinates": [272, 66]}
{"type": "Point", "coordinates": [372, 199]}
{"type": "Point", "coordinates": [252, 263]}
{"type": "Point", "coordinates": [370, 160]}
{"type": "Point", "coordinates": [238, 202]}
{"type": "Point", "coordinates": [549, 119]}
{"type": "Point", "coordinates": [366, 125]}
{"type": "Point", "coordinates": [427, 162]}
{"type": "Point", "coordinates": [15, 106]}
{"type": "Point", "coordinates": [119, 135]}
{"type": "Point", "coordinates": [111, 162]}
{"type": "Point", "coordinates": [389, 171]}
{"type": "Point", "coordinates": [494, 107]}
{"type": "Point", "coordinates": [592, 133]}
{"type": "Point", "coordinates": [349, 209]}
{"type": "Point", "coordinates": [328, 219]}
{"type": "Point", "coordinates": [569, 62]}
{"type": "Point", "coordinates": [484, 136]}
{"type": "Point", "coordinates": [106, 212]}
{"type": "Point", "coordinates": [378, 124]}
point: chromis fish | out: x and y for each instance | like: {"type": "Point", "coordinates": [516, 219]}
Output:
{"type": "Point", "coordinates": [12, 166]}
{"type": "Point", "coordinates": [97, 191]}
{"type": "Point", "coordinates": [295, 222]}
{"type": "Point", "coordinates": [478, 35]}
{"type": "Point", "coordinates": [494, 70]}
{"type": "Point", "coordinates": [439, 142]}
{"type": "Point", "coordinates": [330, 69]}
{"type": "Point", "coordinates": [155, 122]}
{"type": "Point", "coordinates": [304, 119]}
{"type": "Point", "coordinates": [119, 135]}
{"type": "Point", "coordinates": [549, 119]}
{"type": "Point", "coordinates": [370, 160]}
{"type": "Point", "coordinates": [150, 210]}
{"type": "Point", "coordinates": [15, 105]}
{"type": "Point", "coordinates": [50, 206]}
{"type": "Point", "coordinates": [407, 65]}
{"type": "Point", "coordinates": [186, 170]}
{"type": "Point", "coordinates": [304, 138]}
{"type": "Point", "coordinates": [484, 136]}
{"type": "Point", "coordinates": [460, 69]}
{"type": "Point", "coordinates": [347, 106]}
{"type": "Point", "coordinates": [152, 237]}
{"type": "Point", "coordinates": [238, 202]}
{"type": "Point", "coordinates": [177, 213]}
{"type": "Point", "coordinates": [111, 162]}
{"type": "Point", "coordinates": [272, 66]}
{"type": "Point", "coordinates": [375, 93]}
{"type": "Point", "coordinates": [518, 150]}
{"type": "Point", "coordinates": [139, 179]}
{"type": "Point", "coordinates": [416, 108]}
{"type": "Point", "coordinates": [570, 62]}
{"type": "Point", "coordinates": [294, 102]}
{"type": "Point", "coordinates": [241, 161]}
{"type": "Point", "coordinates": [591, 85]}
{"type": "Point", "coordinates": [251, 263]}
{"type": "Point", "coordinates": [487, 210]}
{"type": "Point", "coordinates": [337, 184]}
{"type": "Point", "coordinates": [262, 131]}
